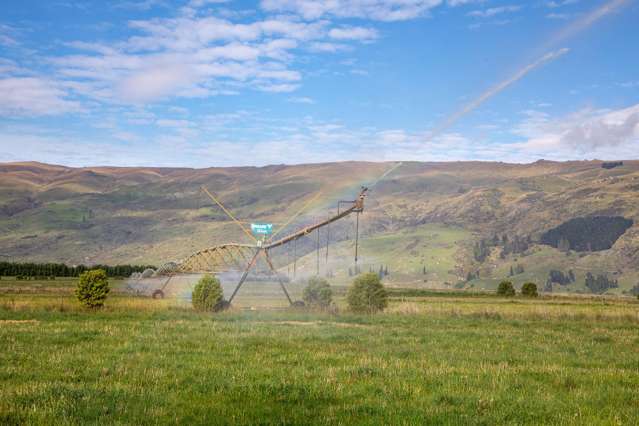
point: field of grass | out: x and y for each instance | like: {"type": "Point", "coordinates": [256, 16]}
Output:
{"type": "Point", "coordinates": [432, 358]}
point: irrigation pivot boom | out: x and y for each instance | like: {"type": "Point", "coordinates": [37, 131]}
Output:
{"type": "Point", "coordinates": [357, 206]}
{"type": "Point", "coordinates": [236, 256]}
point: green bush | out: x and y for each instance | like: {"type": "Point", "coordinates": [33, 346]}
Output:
{"type": "Point", "coordinates": [317, 293]}
{"type": "Point", "coordinates": [367, 294]}
{"type": "Point", "coordinates": [529, 290]}
{"type": "Point", "coordinates": [208, 294]}
{"type": "Point", "coordinates": [506, 289]}
{"type": "Point", "coordinates": [92, 288]}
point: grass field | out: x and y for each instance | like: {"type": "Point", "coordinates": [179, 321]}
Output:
{"type": "Point", "coordinates": [432, 358]}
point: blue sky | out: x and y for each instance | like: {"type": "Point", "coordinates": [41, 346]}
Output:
{"type": "Point", "coordinates": [202, 83]}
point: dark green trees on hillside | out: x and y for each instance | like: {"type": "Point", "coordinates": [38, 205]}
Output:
{"type": "Point", "coordinates": [600, 284]}
{"type": "Point", "coordinates": [509, 245]}
{"type": "Point", "coordinates": [560, 277]}
{"type": "Point", "coordinates": [481, 250]}
{"type": "Point", "coordinates": [587, 233]}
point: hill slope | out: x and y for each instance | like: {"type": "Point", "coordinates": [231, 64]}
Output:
{"type": "Point", "coordinates": [421, 216]}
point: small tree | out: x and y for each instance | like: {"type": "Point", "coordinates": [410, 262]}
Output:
{"type": "Point", "coordinates": [92, 288]}
{"type": "Point", "coordinates": [529, 290]}
{"type": "Point", "coordinates": [506, 289]}
{"type": "Point", "coordinates": [367, 294]}
{"type": "Point", "coordinates": [317, 293]}
{"type": "Point", "coordinates": [208, 294]}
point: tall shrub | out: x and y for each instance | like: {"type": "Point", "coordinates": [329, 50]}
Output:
{"type": "Point", "coordinates": [317, 293]}
{"type": "Point", "coordinates": [208, 294]}
{"type": "Point", "coordinates": [506, 289]}
{"type": "Point", "coordinates": [92, 288]}
{"type": "Point", "coordinates": [367, 294]}
{"type": "Point", "coordinates": [529, 290]}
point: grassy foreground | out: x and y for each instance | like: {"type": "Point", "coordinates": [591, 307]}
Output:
{"type": "Point", "coordinates": [429, 360]}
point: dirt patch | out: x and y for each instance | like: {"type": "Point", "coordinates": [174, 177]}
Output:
{"type": "Point", "coordinates": [310, 323]}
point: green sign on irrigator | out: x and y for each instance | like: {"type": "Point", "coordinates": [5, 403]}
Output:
{"type": "Point", "coordinates": [262, 228]}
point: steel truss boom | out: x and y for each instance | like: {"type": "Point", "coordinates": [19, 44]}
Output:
{"type": "Point", "coordinates": [357, 207]}
{"type": "Point", "coordinates": [228, 256]}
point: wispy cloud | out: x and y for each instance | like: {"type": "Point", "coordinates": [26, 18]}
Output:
{"type": "Point", "coordinates": [29, 96]}
{"type": "Point", "coordinates": [490, 12]}
{"type": "Point", "coordinates": [560, 3]}
{"type": "Point", "coordinates": [353, 33]}
{"type": "Point", "coordinates": [584, 133]}
{"type": "Point", "coordinates": [7, 36]}
{"type": "Point", "coordinates": [301, 100]}
{"type": "Point", "coordinates": [379, 10]}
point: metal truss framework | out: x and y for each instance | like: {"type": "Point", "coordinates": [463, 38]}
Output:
{"type": "Point", "coordinates": [233, 256]}
{"type": "Point", "coordinates": [222, 258]}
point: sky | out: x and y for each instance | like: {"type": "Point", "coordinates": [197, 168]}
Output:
{"type": "Point", "coordinates": [201, 83]}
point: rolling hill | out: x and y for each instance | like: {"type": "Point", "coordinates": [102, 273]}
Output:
{"type": "Point", "coordinates": [425, 222]}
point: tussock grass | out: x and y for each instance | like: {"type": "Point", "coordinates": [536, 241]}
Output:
{"type": "Point", "coordinates": [586, 310]}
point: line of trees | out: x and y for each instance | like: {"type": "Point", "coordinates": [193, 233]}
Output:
{"type": "Point", "coordinates": [559, 277]}
{"type": "Point", "coordinates": [512, 245]}
{"type": "Point", "coordinates": [611, 164]}
{"type": "Point", "coordinates": [14, 269]}
{"type": "Point", "coordinates": [381, 273]}
{"type": "Point", "coordinates": [600, 283]}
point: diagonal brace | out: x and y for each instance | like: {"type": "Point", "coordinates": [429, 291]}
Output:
{"type": "Point", "coordinates": [279, 279]}
{"type": "Point", "coordinates": [246, 272]}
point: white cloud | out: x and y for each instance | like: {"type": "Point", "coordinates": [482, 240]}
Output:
{"type": "Point", "coordinates": [7, 37]}
{"type": "Point", "coordinates": [173, 123]}
{"type": "Point", "coordinates": [301, 100]}
{"type": "Point", "coordinates": [8, 67]}
{"type": "Point", "coordinates": [455, 3]}
{"type": "Point", "coordinates": [278, 88]}
{"type": "Point", "coordinates": [588, 133]}
{"type": "Point", "coordinates": [200, 3]}
{"type": "Point", "coordinates": [379, 10]}
{"type": "Point", "coordinates": [321, 46]}
{"type": "Point", "coordinates": [28, 96]}
{"type": "Point", "coordinates": [5, 40]}
{"type": "Point", "coordinates": [200, 56]}
{"type": "Point", "coordinates": [353, 33]}
{"type": "Point", "coordinates": [209, 141]}
{"type": "Point", "coordinates": [140, 5]}
{"type": "Point", "coordinates": [560, 16]}
{"type": "Point", "coordinates": [490, 12]}
{"type": "Point", "coordinates": [560, 3]}
{"type": "Point", "coordinates": [629, 84]}
{"type": "Point", "coordinates": [154, 82]}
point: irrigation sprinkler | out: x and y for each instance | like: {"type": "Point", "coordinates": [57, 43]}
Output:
{"type": "Point", "coordinates": [232, 256]}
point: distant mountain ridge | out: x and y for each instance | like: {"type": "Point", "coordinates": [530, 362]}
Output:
{"type": "Point", "coordinates": [154, 214]}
